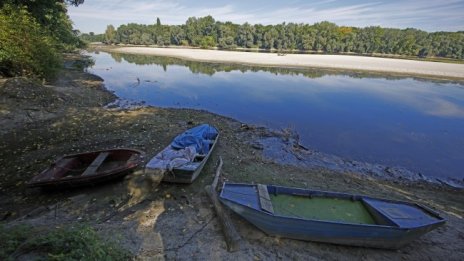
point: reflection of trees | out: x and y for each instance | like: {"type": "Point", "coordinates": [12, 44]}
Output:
{"type": "Point", "coordinates": [212, 68]}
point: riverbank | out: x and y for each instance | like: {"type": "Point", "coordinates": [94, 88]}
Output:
{"type": "Point", "coordinates": [176, 221]}
{"type": "Point", "coordinates": [344, 62]}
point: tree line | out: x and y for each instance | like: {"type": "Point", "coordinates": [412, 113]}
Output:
{"type": "Point", "coordinates": [323, 37]}
{"type": "Point", "coordinates": [33, 35]}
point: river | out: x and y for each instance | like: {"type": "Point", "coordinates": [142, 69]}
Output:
{"type": "Point", "coordinates": [395, 121]}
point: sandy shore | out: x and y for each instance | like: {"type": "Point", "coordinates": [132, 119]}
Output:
{"type": "Point", "coordinates": [308, 60]}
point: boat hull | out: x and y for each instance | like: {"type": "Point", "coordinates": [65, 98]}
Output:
{"type": "Point", "coordinates": [188, 173]}
{"type": "Point", "coordinates": [364, 235]}
{"type": "Point", "coordinates": [342, 234]}
{"type": "Point", "coordinates": [111, 166]}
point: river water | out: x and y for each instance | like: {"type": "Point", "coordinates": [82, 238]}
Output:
{"type": "Point", "coordinates": [395, 121]}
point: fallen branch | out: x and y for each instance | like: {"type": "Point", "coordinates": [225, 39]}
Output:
{"type": "Point", "coordinates": [230, 233]}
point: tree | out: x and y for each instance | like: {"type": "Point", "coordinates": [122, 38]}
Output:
{"type": "Point", "coordinates": [191, 31]}
{"type": "Point", "coordinates": [245, 36]}
{"type": "Point", "coordinates": [52, 16]}
{"type": "Point", "coordinates": [269, 38]}
{"type": "Point", "coordinates": [177, 35]}
{"type": "Point", "coordinates": [146, 39]}
{"type": "Point", "coordinates": [207, 26]}
{"type": "Point", "coordinates": [226, 33]}
{"type": "Point", "coordinates": [158, 21]}
{"type": "Point", "coordinates": [110, 34]}
{"type": "Point", "coordinates": [91, 37]}
{"type": "Point", "coordinates": [323, 37]}
{"type": "Point", "coordinates": [25, 46]}
{"type": "Point", "coordinates": [207, 41]}
{"type": "Point", "coordinates": [33, 34]}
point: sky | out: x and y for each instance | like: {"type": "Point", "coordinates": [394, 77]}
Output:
{"type": "Point", "coordinates": [428, 15]}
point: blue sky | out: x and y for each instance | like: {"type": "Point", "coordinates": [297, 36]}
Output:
{"type": "Point", "coordinates": [428, 15]}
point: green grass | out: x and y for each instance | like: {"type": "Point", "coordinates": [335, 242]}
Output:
{"type": "Point", "coordinates": [71, 243]}
{"type": "Point", "coordinates": [319, 208]}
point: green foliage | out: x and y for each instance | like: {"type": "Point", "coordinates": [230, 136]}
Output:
{"type": "Point", "coordinates": [25, 47]}
{"type": "Point", "coordinates": [184, 43]}
{"type": "Point", "coordinates": [207, 41]}
{"type": "Point", "coordinates": [52, 16]}
{"type": "Point", "coordinates": [323, 37]}
{"type": "Point", "coordinates": [92, 37]}
{"type": "Point", "coordinates": [110, 34]}
{"type": "Point", "coordinates": [12, 239]}
{"type": "Point", "coordinates": [32, 36]}
{"type": "Point", "coordinates": [74, 243]}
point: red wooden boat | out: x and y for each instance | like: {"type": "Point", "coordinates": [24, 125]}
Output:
{"type": "Point", "coordinates": [88, 168]}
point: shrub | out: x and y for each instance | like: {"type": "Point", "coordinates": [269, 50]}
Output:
{"type": "Point", "coordinates": [25, 47]}
{"type": "Point", "coordinates": [71, 243]}
{"type": "Point", "coordinates": [207, 41]}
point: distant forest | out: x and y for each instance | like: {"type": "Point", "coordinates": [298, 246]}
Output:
{"type": "Point", "coordinates": [323, 37]}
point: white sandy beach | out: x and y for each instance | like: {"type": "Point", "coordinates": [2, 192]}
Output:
{"type": "Point", "coordinates": [346, 62]}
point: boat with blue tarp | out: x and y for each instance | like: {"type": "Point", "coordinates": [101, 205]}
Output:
{"type": "Point", "coordinates": [330, 217]}
{"type": "Point", "coordinates": [183, 159]}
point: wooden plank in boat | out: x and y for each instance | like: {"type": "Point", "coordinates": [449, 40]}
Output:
{"type": "Point", "coordinates": [264, 199]}
{"type": "Point", "coordinates": [96, 164]}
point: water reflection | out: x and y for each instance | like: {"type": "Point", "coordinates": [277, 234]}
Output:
{"type": "Point", "coordinates": [393, 120]}
{"type": "Point", "coordinates": [212, 68]}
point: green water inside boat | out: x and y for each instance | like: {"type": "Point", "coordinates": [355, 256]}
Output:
{"type": "Point", "coordinates": [321, 208]}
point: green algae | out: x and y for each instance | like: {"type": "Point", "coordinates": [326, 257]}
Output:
{"type": "Point", "coordinates": [320, 208]}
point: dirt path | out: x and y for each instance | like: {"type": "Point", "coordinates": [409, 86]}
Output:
{"type": "Point", "coordinates": [174, 221]}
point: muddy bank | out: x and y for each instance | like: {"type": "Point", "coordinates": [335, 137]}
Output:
{"type": "Point", "coordinates": [283, 147]}
{"type": "Point", "coordinates": [175, 221]}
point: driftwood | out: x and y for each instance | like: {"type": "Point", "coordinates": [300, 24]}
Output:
{"type": "Point", "coordinates": [230, 233]}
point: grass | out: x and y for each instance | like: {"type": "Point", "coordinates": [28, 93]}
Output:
{"type": "Point", "coordinates": [69, 243]}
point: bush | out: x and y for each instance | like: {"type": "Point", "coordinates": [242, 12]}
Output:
{"type": "Point", "coordinates": [25, 47]}
{"type": "Point", "coordinates": [207, 41]}
{"type": "Point", "coordinates": [72, 243]}
{"type": "Point", "coordinates": [184, 43]}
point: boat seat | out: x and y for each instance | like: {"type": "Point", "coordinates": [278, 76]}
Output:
{"type": "Point", "coordinates": [264, 199]}
{"type": "Point", "coordinates": [96, 163]}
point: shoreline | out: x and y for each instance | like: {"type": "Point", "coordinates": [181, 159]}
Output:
{"type": "Point", "coordinates": [156, 222]}
{"type": "Point", "coordinates": [281, 147]}
{"type": "Point", "coordinates": [344, 62]}
{"type": "Point", "coordinates": [314, 159]}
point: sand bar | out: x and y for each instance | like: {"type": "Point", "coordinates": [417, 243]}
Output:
{"type": "Point", "coordinates": [346, 62]}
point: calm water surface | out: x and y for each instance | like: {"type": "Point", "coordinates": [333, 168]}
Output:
{"type": "Point", "coordinates": [394, 121]}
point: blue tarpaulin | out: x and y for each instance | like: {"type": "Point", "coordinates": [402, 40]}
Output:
{"type": "Point", "coordinates": [200, 136]}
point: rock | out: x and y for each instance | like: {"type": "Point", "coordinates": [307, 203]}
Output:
{"type": "Point", "coordinates": [244, 127]}
{"type": "Point", "coordinates": [257, 145]}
